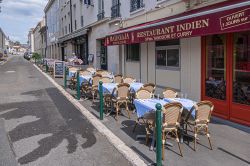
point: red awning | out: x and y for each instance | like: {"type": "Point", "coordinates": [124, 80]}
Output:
{"type": "Point", "coordinates": [225, 17]}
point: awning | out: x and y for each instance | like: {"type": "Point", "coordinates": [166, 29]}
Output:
{"type": "Point", "coordinates": [72, 35]}
{"type": "Point", "coordinates": [225, 17]}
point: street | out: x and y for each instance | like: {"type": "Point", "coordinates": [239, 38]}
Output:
{"type": "Point", "coordinates": [42, 126]}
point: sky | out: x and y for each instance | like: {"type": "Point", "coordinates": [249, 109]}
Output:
{"type": "Point", "coordinates": [18, 16]}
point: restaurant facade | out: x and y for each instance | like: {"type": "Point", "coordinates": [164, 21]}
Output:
{"type": "Point", "coordinates": [204, 53]}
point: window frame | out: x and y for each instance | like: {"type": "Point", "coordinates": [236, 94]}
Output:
{"type": "Point", "coordinates": [129, 59]}
{"type": "Point", "coordinates": [171, 47]}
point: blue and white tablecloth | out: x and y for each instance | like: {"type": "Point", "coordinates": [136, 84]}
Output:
{"type": "Point", "coordinates": [144, 106]}
{"type": "Point", "coordinates": [85, 79]}
{"type": "Point", "coordinates": [72, 73]}
{"type": "Point", "coordinates": [135, 86]}
{"type": "Point", "coordinates": [108, 87]}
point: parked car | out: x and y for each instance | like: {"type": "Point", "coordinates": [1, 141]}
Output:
{"type": "Point", "coordinates": [27, 55]}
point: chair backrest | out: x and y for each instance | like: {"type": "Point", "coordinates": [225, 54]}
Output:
{"type": "Point", "coordinates": [105, 73]}
{"type": "Point", "coordinates": [143, 94]}
{"type": "Point", "coordinates": [73, 69]}
{"type": "Point", "coordinates": [203, 111]}
{"type": "Point", "coordinates": [91, 69]}
{"type": "Point", "coordinates": [170, 93]}
{"type": "Point", "coordinates": [171, 114]}
{"type": "Point", "coordinates": [84, 72]}
{"type": "Point", "coordinates": [118, 78]}
{"type": "Point", "coordinates": [150, 87]}
{"type": "Point", "coordinates": [123, 91]}
{"type": "Point", "coordinates": [106, 80]}
{"type": "Point", "coordinates": [128, 80]}
{"type": "Point", "coordinates": [99, 71]}
{"type": "Point", "coordinates": [95, 79]}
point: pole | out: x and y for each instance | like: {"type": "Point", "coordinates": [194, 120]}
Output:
{"type": "Point", "coordinates": [46, 67]}
{"type": "Point", "coordinates": [158, 135]}
{"type": "Point", "coordinates": [78, 85]}
{"type": "Point", "coordinates": [65, 76]}
{"type": "Point", "coordinates": [101, 99]}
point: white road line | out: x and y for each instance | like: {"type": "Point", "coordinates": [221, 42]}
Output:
{"type": "Point", "coordinates": [127, 152]}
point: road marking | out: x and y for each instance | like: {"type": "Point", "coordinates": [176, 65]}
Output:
{"type": "Point", "coordinates": [10, 71]}
{"type": "Point", "coordinates": [126, 151]}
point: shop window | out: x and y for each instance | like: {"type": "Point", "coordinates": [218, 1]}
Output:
{"type": "Point", "coordinates": [168, 54]}
{"type": "Point", "coordinates": [133, 52]}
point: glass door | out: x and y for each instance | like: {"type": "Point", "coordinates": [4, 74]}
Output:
{"type": "Point", "coordinates": [103, 56]}
{"type": "Point", "coordinates": [216, 73]}
{"type": "Point", "coordinates": [241, 77]}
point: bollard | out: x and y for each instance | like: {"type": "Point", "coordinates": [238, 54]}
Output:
{"type": "Point", "coordinates": [101, 99]}
{"type": "Point", "coordinates": [78, 85]}
{"type": "Point", "coordinates": [65, 76]}
{"type": "Point", "coordinates": [158, 135]}
{"type": "Point", "coordinates": [46, 67]}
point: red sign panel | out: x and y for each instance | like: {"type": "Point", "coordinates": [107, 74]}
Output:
{"type": "Point", "coordinates": [220, 22]}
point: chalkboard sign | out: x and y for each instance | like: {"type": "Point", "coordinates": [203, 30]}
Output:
{"type": "Point", "coordinates": [58, 68]}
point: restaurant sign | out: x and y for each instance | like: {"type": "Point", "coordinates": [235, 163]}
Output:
{"type": "Point", "coordinates": [220, 22]}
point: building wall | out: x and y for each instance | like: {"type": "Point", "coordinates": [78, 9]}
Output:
{"type": "Point", "coordinates": [37, 39]}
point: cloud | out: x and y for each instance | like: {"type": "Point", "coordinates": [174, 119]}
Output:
{"type": "Point", "coordinates": [18, 16]}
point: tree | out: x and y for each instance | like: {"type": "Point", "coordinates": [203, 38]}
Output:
{"type": "Point", "coordinates": [17, 43]}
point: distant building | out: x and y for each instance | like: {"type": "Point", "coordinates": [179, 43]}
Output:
{"type": "Point", "coordinates": [31, 40]}
{"type": "Point", "coordinates": [2, 39]}
{"type": "Point", "coordinates": [52, 23]}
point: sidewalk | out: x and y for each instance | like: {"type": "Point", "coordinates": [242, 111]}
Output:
{"type": "Point", "coordinates": [229, 140]}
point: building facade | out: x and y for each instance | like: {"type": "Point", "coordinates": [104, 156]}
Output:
{"type": "Point", "coordinates": [31, 40]}
{"type": "Point", "coordinates": [52, 12]}
{"type": "Point", "coordinates": [40, 38]}
{"type": "Point", "coordinates": [2, 39]}
{"type": "Point", "coordinates": [198, 47]}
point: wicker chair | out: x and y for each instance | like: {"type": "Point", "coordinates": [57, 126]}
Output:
{"type": "Point", "coordinates": [84, 72]}
{"type": "Point", "coordinates": [150, 87]}
{"type": "Point", "coordinates": [170, 93]}
{"type": "Point", "coordinates": [146, 119]}
{"type": "Point", "coordinates": [94, 88]}
{"type": "Point", "coordinates": [106, 80]}
{"type": "Point", "coordinates": [99, 71]}
{"type": "Point", "coordinates": [203, 111]}
{"type": "Point", "coordinates": [128, 80]}
{"type": "Point", "coordinates": [118, 78]}
{"type": "Point", "coordinates": [105, 73]}
{"type": "Point", "coordinates": [122, 98]}
{"type": "Point", "coordinates": [73, 79]}
{"type": "Point", "coordinates": [171, 122]}
{"type": "Point", "coordinates": [91, 69]}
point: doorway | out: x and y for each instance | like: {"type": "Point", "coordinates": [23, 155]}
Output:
{"type": "Point", "coordinates": [226, 75]}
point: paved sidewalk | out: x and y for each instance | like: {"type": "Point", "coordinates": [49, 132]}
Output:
{"type": "Point", "coordinates": [44, 127]}
{"type": "Point", "coordinates": [231, 142]}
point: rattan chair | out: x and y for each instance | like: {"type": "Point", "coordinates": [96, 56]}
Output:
{"type": "Point", "coordinates": [118, 78]}
{"type": "Point", "coordinates": [94, 87]}
{"type": "Point", "coordinates": [203, 111]}
{"type": "Point", "coordinates": [171, 123]}
{"type": "Point", "coordinates": [121, 98]}
{"type": "Point", "coordinates": [91, 69]}
{"type": "Point", "coordinates": [106, 80]}
{"type": "Point", "coordinates": [128, 80]}
{"type": "Point", "coordinates": [150, 87]}
{"type": "Point", "coordinates": [144, 94]}
{"type": "Point", "coordinates": [170, 93]}
{"type": "Point", "coordinates": [84, 72]}
{"type": "Point", "coordinates": [99, 71]}
{"type": "Point", "coordinates": [105, 73]}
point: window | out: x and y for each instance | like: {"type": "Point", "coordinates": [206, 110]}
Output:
{"type": "Point", "coordinates": [82, 21]}
{"type": "Point", "coordinates": [89, 2]}
{"type": "Point", "coordinates": [75, 25]}
{"type": "Point", "coordinates": [100, 14]}
{"type": "Point", "coordinates": [115, 9]}
{"type": "Point", "coordinates": [65, 30]}
{"type": "Point", "coordinates": [133, 52]}
{"type": "Point", "coordinates": [168, 54]}
{"type": "Point", "coordinates": [136, 4]}
{"type": "Point", "coordinates": [69, 28]}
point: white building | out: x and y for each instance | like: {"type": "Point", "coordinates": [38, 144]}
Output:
{"type": "Point", "coordinates": [31, 40]}
{"type": "Point", "coordinates": [52, 11]}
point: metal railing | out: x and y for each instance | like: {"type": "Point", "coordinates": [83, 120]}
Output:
{"type": "Point", "coordinates": [115, 11]}
{"type": "Point", "coordinates": [100, 15]}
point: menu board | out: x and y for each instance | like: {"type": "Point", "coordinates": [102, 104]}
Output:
{"type": "Point", "coordinates": [58, 69]}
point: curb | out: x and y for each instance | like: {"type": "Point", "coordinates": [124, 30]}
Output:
{"type": "Point", "coordinates": [127, 152]}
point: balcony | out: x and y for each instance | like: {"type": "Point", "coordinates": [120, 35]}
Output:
{"type": "Point", "coordinates": [115, 11]}
{"type": "Point", "coordinates": [194, 3]}
{"type": "Point", "coordinates": [136, 4]}
{"type": "Point", "coordinates": [100, 15]}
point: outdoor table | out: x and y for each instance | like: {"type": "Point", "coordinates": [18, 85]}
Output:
{"type": "Point", "coordinates": [85, 78]}
{"type": "Point", "coordinates": [135, 86]}
{"type": "Point", "coordinates": [72, 73]}
{"type": "Point", "coordinates": [108, 87]}
{"type": "Point", "coordinates": [214, 82]}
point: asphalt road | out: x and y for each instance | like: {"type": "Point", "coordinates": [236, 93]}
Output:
{"type": "Point", "coordinates": [43, 127]}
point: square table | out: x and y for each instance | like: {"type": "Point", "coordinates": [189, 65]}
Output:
{"type": "Point", "coordinates": [72, 73]}
{"type": "Point", "coordinates": [135, 86]}
{"type": "Point", "coordinates": [85, 78]}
